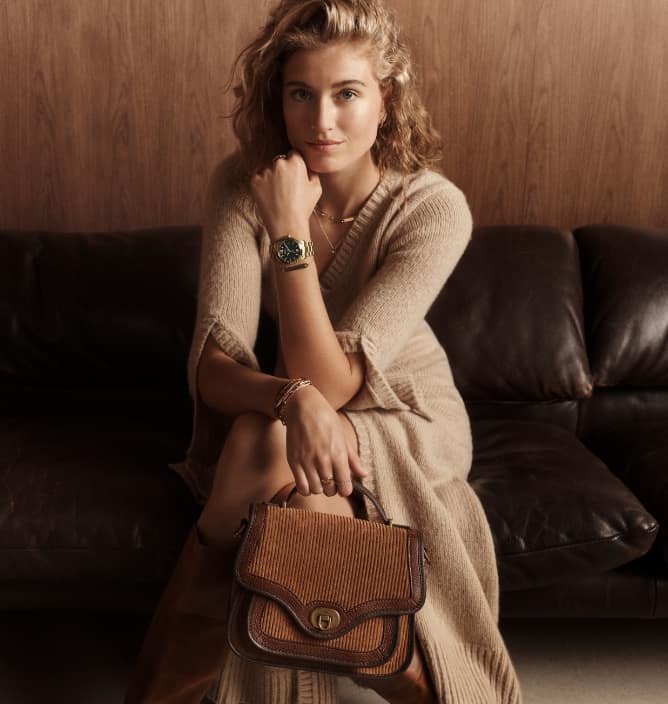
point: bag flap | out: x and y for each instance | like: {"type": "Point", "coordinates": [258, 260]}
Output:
{"type": "Point", "coordinates": [331, 572]}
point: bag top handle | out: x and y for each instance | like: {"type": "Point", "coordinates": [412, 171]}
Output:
{"type": "Point", "coordinates": [358, 488]}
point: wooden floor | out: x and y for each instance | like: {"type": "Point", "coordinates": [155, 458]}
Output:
{"type": "Point", "coordinates": [75, 658]}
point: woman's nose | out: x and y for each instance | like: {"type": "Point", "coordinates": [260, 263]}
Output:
{"type": "Point", "coordinates": [323, 115]}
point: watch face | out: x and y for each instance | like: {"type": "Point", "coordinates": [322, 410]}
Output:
{"type": "Point", "coordinates": [289, 250]}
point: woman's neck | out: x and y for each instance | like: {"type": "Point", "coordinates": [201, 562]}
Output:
{"type": "Point", "coordinates": [344, 192]}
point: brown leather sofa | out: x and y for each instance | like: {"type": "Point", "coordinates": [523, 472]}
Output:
{"type": "Point", "coordinates": [558, 342]}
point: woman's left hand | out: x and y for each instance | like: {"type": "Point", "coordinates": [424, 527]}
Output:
{"type": "Point", "coordinates": [317, 447]}
{"type": "Point", "coordinates": [286, 193]}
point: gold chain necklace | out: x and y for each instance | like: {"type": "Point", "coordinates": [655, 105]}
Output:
{"type": "Point", "coordinates": [339, 221]}
{"type": "Point", "coordinates": [332, 248]}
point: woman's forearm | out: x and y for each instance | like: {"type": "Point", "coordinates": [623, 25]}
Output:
{"type": "Point", "coordinates": [308, 341]}
{"type": "Point", "coordinates": [285, 194]}
{"type": "Point", "coordinates": [231, 388]}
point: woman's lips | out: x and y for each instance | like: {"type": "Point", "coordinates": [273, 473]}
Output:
{"type": "Point", "coordinates": [324, 147]}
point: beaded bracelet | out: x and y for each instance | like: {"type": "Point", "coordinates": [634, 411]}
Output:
{"type": "Point", "coordinates": [284, 393]}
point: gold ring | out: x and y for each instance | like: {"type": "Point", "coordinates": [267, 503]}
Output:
{"type": "Point", "coordinates": [327, 480]}
{"type": "Point", "coordinates": [279, 156]}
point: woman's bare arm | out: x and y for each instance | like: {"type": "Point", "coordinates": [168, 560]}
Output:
{"type": "Point", "coordinates": [232, 388]}
{"type": "Point", "coordinates": [285, 195]}
{"type": "Point", "coordinates": [308, 341]}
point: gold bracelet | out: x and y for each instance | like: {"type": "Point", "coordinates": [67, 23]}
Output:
{"type": "Point", "coordinates": [294, 386]}
{"type": "Point", "coordinates": [283, 392]}
{"type": "Point", "coordinates": [288, 397]}
{"type": "Point", "coordinates": [281, 395]}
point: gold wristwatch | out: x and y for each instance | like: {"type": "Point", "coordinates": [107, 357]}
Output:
{"type": "Point", "coordinates": [289, 250]}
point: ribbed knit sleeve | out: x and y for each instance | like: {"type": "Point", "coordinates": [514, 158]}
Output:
{"type": "Point", "coordinates": [228, 308]}
{"type": "Point", "coordinates": [423, 249]}
{"type": "Point", "coordinates": [228, 298]}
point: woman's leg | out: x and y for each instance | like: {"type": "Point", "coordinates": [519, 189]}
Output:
{"type": "Point", "coordinates": [184, 646]}
{"type": "Point", "coordinates": [253, 467]}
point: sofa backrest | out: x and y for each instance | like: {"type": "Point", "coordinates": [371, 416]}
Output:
{"type": "Point", "coordinates": [538, 323]}
{"type": "Point", "coordinates": [510, 319]}
{"type": "Point", "coordinates": [569, 328]}
{"type": "Point", "coordinates": [625, 277]}
{"type": "Point", "coordinates": [625, 280]}
{"type": "Point", "coordinates": [97, 310]}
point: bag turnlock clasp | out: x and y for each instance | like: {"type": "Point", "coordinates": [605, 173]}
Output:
{"type": "Point", "coordinates": [324, 619]}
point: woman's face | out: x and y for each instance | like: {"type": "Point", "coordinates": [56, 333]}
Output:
{"type": "Point", "coordinates": [332, 106]}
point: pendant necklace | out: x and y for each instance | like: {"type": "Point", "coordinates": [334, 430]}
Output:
{"type": "Point", "coordinates": [332, 248]}
{"type": "Point", "coordinates": [339, 221]}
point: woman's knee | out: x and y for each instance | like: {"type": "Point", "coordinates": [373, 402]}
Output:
{"type": "Point", "coordinates": [252, 464]}
{"type": "Point", "coordinates": [253, 439]}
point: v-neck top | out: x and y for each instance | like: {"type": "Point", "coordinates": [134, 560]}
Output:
{"type": "Point", "coordinates": [339, 260]}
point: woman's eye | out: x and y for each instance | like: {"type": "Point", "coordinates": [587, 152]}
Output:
{"type": "Point", "coordinates": [348, 94]}
{"type": "Point", "coordinates": [300, 94]}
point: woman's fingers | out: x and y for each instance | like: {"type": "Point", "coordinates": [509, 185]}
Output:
{"type": "Point", "coordinates": [300, 480]}
{"type": "Point", "coordinates": [326, 475]}
{"type": "Point", "coordinates": [336, 475]}
{"type": "Point", "coordinates": [313, 475]}
{"type": "Point", "coordinates": [353, 458]}
{"type": "Point", "coordinates": [341, 473]}
{"type": "Point", "coordinates": [356, 465]}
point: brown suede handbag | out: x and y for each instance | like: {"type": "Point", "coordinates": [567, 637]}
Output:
{"type": "Point", "coordinates": [318, 591]}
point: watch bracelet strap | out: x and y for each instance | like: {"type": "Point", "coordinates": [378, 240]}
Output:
{"type": "Point", "coordinates": [309, 248]}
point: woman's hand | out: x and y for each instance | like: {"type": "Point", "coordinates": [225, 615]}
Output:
{"type": "Point", "coordinates": [318, 447]}
{"type": "Point", "coordinates": [285, 194]}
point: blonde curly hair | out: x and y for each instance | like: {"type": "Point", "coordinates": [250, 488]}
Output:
{"type": "Point", "coordinates": [406, 139]}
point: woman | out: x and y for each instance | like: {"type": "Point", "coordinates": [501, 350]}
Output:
{"type": "Point", "coordinates": [331, 220]}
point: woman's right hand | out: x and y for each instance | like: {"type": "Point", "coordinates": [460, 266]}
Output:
{"type": "Point", "coordinates": [317, 446]}
{"type": "Point", "coordinates": [285, 193]}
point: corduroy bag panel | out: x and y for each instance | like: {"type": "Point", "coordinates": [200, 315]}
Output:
{"type": "Point", "coordinates": [327, 592]}
{"type": "Point", "coordinates": [305, 557]}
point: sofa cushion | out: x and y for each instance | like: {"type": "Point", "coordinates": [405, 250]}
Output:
{"type": "Point", "coordinates": [86, 493]}
{"type": "Point", "coordinates": [626, 304]}
{"type": "Point", "coordinates": [555, 510]}
{"type": "Point", "coordinates": [510, 317]}
{"type": "Point", "coordinates": [106, 308]}
{"type": "Point", "coordinates": [640, 459]}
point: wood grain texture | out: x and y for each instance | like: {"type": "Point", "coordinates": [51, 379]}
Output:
{"type": "Point", "coordinates": [552, 111]}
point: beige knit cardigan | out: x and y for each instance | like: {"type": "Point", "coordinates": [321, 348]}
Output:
{"type": "Point", "coordinates": [412, 427]}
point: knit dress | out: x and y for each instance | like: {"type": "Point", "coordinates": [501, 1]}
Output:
{"type": "Point", "coordinates": [413, 431]}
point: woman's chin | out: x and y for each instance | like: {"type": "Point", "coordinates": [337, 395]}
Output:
{"type": "Point", "coordinates": [321, 170]}
{"type": "Point", "coordinates": [322, 165]}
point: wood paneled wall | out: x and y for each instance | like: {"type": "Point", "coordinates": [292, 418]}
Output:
{"type": "Point", "coordinates": [553, 111]}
